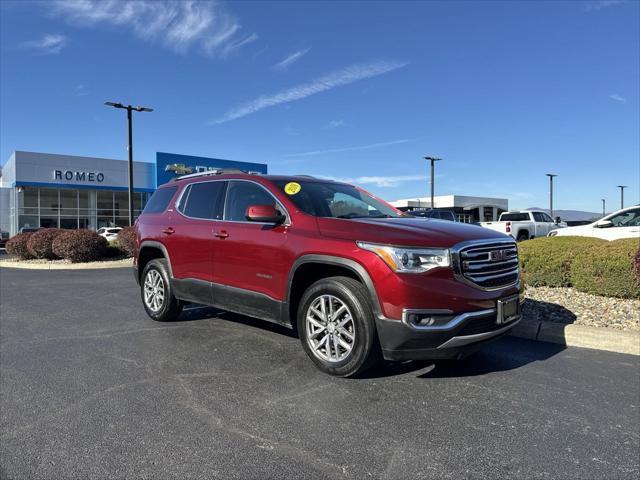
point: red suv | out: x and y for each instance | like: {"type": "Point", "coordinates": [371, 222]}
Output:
{"type": "Point", "coordinates": [358, 279]}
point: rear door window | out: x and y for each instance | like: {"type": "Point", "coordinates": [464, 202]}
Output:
{"type": "Point", "coordinates": [159, 201]}
{"type": "Point", "coordinates": [203, 200]}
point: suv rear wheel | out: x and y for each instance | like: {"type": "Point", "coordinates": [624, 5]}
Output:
{"type": "Point", "coordinates": [336, 328]}
{"type": "Point", "coordinates": [157, 294]}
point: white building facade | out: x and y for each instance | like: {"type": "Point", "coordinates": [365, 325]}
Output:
{"type": "Point", "coordinates": [467, 209]}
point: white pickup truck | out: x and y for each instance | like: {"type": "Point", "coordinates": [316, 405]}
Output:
{"type": "Point", "coordinates": [524, 224]}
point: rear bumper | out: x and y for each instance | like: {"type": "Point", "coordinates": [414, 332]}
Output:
{"type": "Point", "coordinates": [466, 334]}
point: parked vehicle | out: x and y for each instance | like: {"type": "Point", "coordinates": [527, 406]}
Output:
{"type": "Point", "coordinates": [357, 278]}
{"type": "Point", "coordinates": [110, 233]}
{"type": "Point", "coordinates": [29, 229]}
{"type": "Point", "coordinates": [624, 223]}
{"type": "Point", "coordinates": [440, 214]}
{"type": "Point", "coordinates": [4, 236]}
{"type": "Point", "coordinates": [523, 225]}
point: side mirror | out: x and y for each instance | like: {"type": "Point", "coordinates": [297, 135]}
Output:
{"type": "Point", "coordinates": [264, 214]}
{"type": "Point", "coordinates": [557, 220]}
{"type": "Point", "coordinates": [603, 224]}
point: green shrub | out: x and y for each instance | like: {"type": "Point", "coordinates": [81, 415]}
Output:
{"type": "Point", "coordinates": [40, 243]}
{"type": "Point", "coordinates": [17, 245]}
{"type": "Point", "coordinates": [80, 245]}
{"type": "Point", "coordinates": [546, 261]}
{"type": "Point", "coordinates": [127, 241]}
{"type": "Point", "coordinates": [608, 269]}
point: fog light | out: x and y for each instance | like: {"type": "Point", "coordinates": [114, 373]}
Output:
{"type": "Point", "coordinates": [428, 319]}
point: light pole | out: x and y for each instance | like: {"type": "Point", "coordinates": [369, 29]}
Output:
{"type": "Point", "coordinates": [433, 160]}
{"type": "Point", "coordinates": [129, 109]}
{"type": "Point", "coordinates": [551, 175]}
{"type": "Point", "coordinates": [622, 187]}
{"type": "Point", "coordinates": [603, 207]}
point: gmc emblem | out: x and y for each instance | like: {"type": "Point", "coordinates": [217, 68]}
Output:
{"type": "Point", "coordinates": [498, 255]}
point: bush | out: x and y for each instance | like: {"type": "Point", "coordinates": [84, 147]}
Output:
{"type": "Point", "coordinates": [80, 245]}
{"type": "Point", "coordinates": [17, 245]}
{"type": "Point", "coordinates": [546, 261]}
{"type": "Point", "coordinates": [127, 241]}
{"type": "Point", "coordinates": [608, 269]}
{"type": "Point", "coordinates": [40, 243]}
{"type": "Point", "coordinates": [636, 265]}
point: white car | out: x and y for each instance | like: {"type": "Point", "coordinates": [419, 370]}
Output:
{"type": "Point", "coordinates": [523, 225]}
{"type": "Point", "coordinates": [110, 233]}
{"type": "Point", "coordinates": [624, 223]}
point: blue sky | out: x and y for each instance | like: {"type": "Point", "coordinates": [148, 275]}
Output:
{"type": "Point", "coordinates": [503, 91]}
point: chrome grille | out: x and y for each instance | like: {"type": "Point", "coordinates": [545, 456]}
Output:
{"type": "Point", "coordinates": [489, 265]}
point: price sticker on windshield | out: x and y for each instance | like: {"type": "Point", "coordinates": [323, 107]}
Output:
{"type": "Point", "coordinates": [292, 188]}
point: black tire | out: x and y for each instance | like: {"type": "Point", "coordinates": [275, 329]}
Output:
{"type": "Point", "coordinates": [365, 349]}
{"type": "Point", "coordinates": [522, 236]}
{"type": "Point", "coordinates": [170, 307]}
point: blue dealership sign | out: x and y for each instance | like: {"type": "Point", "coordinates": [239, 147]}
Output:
{"type": "Point", "coordinates": [171, 165]}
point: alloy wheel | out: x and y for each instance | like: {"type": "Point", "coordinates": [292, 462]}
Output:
{"type": "Point", "coordinates": [154, 291]}
{"type": "Point", "coordinates": [330, 328]}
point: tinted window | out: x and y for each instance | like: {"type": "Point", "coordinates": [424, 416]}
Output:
{"type": "Point", "coordinates": [630, 218]}
{"type": "Point", "coordinates": [538, 217]}
{"type": "Point", "coordinates": [203, 200]}
{"type": "Point", "coordinates": [328, 199]}
{"type": "Point", "coordinates": [160, 200]}
{"type": "Point", "coordinates": [514, 217]}
{"type": "Point", "coordinates": [241, 195]}
{"type": "Point", "coordinates": [547, 218]}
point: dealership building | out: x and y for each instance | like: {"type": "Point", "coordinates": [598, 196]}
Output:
{"type": "Point", "coordinates": [67, 191]}
{"type": "Point", "coordinates": [467, 209]}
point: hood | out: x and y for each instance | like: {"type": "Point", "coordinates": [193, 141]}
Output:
{"type": "Point", "coordinates": [414, 232]}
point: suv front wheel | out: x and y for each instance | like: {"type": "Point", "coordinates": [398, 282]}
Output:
{"type": "Point", "coordinates": [157, 294]}
{"type": "Point", "coordinates": [336, 328]}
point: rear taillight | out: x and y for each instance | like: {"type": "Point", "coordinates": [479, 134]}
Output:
{"type": "Point", "coordinates": [508, 227]}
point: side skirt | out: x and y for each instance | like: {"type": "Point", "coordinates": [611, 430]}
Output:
{"type": "Point", "coordinates": [232, 299]}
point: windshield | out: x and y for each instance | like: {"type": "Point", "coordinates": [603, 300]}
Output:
{"type": "Point", "coordinates": [328, 199]}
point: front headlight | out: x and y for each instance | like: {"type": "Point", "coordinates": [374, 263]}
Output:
{"type": "Point", "coordinates": [408, 259]}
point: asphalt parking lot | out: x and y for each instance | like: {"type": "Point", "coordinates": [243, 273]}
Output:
{"type": "Point", "coordinates": [92, 388]}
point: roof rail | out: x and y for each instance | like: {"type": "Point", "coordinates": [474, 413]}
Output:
{"type": "Point", "coordinates": [217, 171]}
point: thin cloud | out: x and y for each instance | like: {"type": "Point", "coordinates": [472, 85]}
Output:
{"type": "Point", "coordinates": [290, 59]}
{"type": "Point", "coordinates": [350, 149]}
{"type": "Point", "coordinates": [335, 79]}
{"type": "Point", "coordinates": [334, 124]}
{"type": "Point", "coordinates": [80, 90]}
{"type": "Point", "coordinates": [177, 25]}
{"type": "Point", "coordinates": [49, 44]}
{"type": "Point", "coordinates": [387, 181]}
{"type": "Point", "coordinates": [617, 98]}
{"type": "Point", "coordinates": [600, 4]}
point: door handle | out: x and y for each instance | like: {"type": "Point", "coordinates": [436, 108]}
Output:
{"type": "Point", "coordinates": [169, 230]}
{"type": "Point", "coordinates": [221, 234]}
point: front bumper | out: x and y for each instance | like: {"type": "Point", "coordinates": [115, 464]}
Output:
{"type": "Point", "coordinates": [462, 335]}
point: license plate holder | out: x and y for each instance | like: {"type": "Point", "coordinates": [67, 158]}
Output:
{"type": "Point", "coordinates": [508, 310]}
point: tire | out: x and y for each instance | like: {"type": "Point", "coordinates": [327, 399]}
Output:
{"type": "Point", "coordinates": [522, 236]}
{"type": "Point", "coordinates": [355, 321]}
{"type": "Point", "coordinates": [156, 276]}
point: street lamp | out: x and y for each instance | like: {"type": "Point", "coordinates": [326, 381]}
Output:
{"type": "Point", "coordinates": [129, 109]}
{"type": "Point", "coordinates": [433, 160]}
{"type": "Point", "coordinates": [551, 175]}
{"type": "Point", "coordinates": [622, 187]}
{"type": "Point", "coordinates": [603, 207]}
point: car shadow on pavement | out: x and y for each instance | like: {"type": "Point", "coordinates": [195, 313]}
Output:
{"type": "Point", "coordinates": [193, 312]}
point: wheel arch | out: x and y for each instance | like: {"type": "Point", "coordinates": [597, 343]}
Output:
{"type": "Point", "coordinates": [310, 268]}
{"type": "Point", "coordinates": [150, 250]}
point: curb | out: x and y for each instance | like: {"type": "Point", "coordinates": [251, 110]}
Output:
{"type": "Point", "coordinates": [618, 341]}
{"type": "Point", "coordinates": [66, 266]}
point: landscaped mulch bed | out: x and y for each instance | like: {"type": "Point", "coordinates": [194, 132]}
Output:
{"type": "Point", "coordinates": [566, 305]}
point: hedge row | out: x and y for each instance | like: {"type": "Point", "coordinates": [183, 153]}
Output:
{"type": "Point", "coordinates": [73, 245]}
{"type": "Point", "coordinates": [587, 264]}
